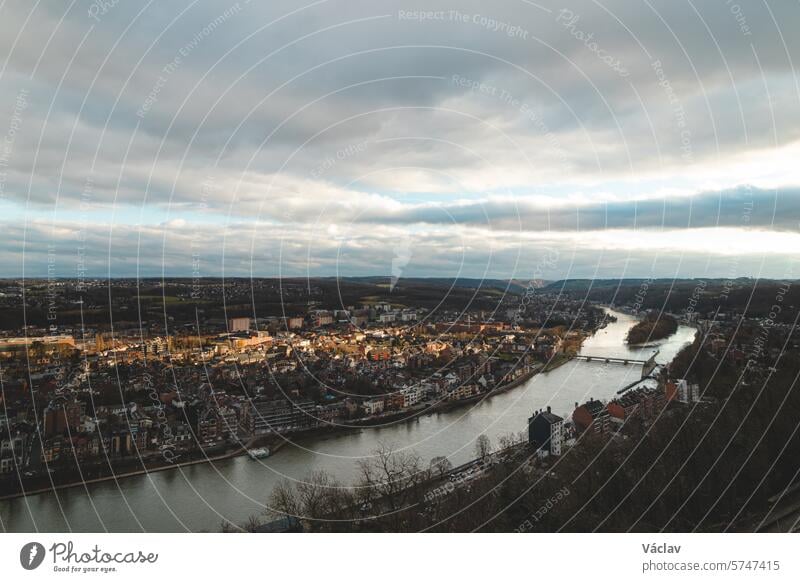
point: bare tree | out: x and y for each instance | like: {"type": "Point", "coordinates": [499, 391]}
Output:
{"type": "Point", "coordinates": [507, 441]}
{"type": "Point", "coordinates": [388, 495]}
{"type": "Point", "coordinates": [391, 484]}
{"type": "Point", "coordinates": [319, 500]}
{"type": "Point", "coordinates": [483, 446]}
{"type": "Point", "coordinates": [283, 501]}
{"type": "Point", "coordinates": [440, 466]}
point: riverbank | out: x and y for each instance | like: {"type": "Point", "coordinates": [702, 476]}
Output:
{"type": "Point", "coordinates": [444, 405]}
{"type": "Point", "coordinates": [274, 446]}
{"type": "Point", "coordinates": [448, 405]}
{"type": "Point", "coordinates": [116, 476]}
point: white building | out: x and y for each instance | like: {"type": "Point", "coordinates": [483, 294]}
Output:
{"type": "Point", "coordinates": [688, 393]}
{"type": "Point", "coordinates": [412, 395]}
{"type": "Point", "coordinates": [372, 407]}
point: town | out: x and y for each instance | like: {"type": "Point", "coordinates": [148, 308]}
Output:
{"type": "Point", "coordinates": [82, 402]}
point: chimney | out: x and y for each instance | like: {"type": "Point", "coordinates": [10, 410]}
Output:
{"type": "Point", "coordinates": [548, 409]}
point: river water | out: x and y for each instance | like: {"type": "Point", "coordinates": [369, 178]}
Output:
{"type": "Point", "coordinates": [201, 497]}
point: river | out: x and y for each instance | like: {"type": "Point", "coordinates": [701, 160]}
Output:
{"type": "Point", "coordinates": [200, 497]}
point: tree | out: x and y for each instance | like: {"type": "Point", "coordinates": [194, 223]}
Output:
{"type": "Point", "coordinates": [386, 497]}
{"type": "Point", "coordinates": [440, 466]}
{"type": "Point", "coordinates": [507, 441]}
{"type": "Point", "coordinates": [483, 446]}
{"type": "Point", "coordinates": [319, 500]}
{"type": "Point", "coordinates": [388, 474]}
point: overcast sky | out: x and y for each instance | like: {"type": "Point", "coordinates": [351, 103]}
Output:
{"type": "Point", "coordinates": [508, 139]}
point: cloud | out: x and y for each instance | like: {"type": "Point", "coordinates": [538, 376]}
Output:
{"type": "Point", "coordinates": [507, 119]}
{"type": "Point", "coordinates": [241, 249]}
{"type": "Point", "coordinates": [743, 207]}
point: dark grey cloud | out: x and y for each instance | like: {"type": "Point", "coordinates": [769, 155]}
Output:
{"type": "Point", "coordinates": [743, 207]}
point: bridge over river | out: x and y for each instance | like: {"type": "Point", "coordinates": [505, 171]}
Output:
{"type": "Point", "coordinates": [648, 365]}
